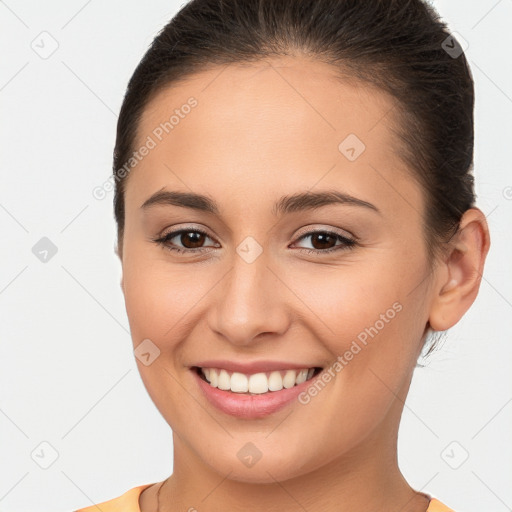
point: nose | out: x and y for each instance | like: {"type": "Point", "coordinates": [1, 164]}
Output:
{"type": "Point", "coordinates": [250, 301]}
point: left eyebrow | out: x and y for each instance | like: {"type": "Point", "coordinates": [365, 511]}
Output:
{"type": "Point", "coordinates": [312, 200]}
{"type": "Point", "coordinates": [286, 204]}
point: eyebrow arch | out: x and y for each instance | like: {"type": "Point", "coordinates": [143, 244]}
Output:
{"type": "Point", "coordinates": [286, 204]}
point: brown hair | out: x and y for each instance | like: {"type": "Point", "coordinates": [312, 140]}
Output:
{"type": "Point", "coordinates": [400, 46]}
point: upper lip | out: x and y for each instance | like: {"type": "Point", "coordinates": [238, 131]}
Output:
{"type": "Point", "coordinates": [254, 366]}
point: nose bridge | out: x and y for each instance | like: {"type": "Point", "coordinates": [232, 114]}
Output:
{"type": "Point", "coordinates": [248, 302]}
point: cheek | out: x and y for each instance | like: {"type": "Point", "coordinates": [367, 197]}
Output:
{"type": "Point", "coordinates": [348, 300]}
{"type": "Point", "coordinates": [160, 301]}
{"type": "Point", "coordinates": [371, 323]}
{"type": "Point", "coordinates": [160, 298]}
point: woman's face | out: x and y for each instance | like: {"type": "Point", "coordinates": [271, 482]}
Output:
{"type": "Point", "coordinates": [260, 285]}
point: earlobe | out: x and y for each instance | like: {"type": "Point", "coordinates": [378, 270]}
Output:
{"type": "Point", "coordinates": [462, 271]}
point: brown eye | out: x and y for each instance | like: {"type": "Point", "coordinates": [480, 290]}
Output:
{"type": "Point", "coordinates": [184, 240]}
{"type": "Point", "coordinates": [325, 242]}
{"type": "Point", "coordinates": [192, 239]}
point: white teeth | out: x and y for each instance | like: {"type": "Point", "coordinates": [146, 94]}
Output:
{"type": "Point", "coordinates": [275, 381]}
{"type": "Point", "coordinates": [257, 383]}
{"type": "Point", "coordinates": [289, 379]}
{"type": "Point", "coordinates": [224, 381]}
{"type": "Point", "coordinates": [239, 383]}
{"type": "Point", "coordinates": [302, 376]}
{"type": "Point", "coordinates": [213, 376]}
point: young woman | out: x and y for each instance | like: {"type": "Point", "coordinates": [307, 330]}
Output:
{"type": "Point", "coordinates": [296, 218]}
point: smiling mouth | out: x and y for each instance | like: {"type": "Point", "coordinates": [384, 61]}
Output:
{"type": "Point", "coordinates": [256, 383]}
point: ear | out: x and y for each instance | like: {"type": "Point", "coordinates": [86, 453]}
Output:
{"type": "Point", "coordinates": [461, 271]}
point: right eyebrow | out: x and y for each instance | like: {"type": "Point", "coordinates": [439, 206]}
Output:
{"type": "Point", "coordinates": [183, 199]}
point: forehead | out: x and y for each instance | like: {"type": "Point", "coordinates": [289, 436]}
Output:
{"type": "Point", "coordinates": [274, 124]}
{"type": "Point", "coordinates": [291, 90]}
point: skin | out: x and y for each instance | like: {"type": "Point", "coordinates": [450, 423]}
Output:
{"type": "Point", "coordinates": [259, 132]}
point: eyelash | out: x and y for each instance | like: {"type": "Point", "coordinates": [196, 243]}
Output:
{"type": "Point", "coordinates": [347, 242]}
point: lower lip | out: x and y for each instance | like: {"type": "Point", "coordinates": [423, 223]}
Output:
{"type": "Point", "coordinates": [250, 406]}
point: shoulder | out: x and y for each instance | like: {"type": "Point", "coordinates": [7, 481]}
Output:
{"type": "Point", "coordinates": [127, 502]}
{"type": "Point", "coordinates": [436, 506]}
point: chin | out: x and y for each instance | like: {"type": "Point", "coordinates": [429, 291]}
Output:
{"type": "Point", "coordinates": [266, 470]}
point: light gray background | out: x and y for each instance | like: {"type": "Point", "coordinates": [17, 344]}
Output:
{"type": "Point", "coordinates": [68, 374]}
